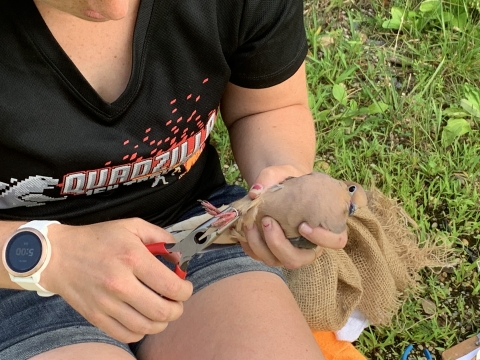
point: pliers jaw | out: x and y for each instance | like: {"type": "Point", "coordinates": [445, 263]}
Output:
{"type": "Point", "coordinates": [198, 240]}
{"type": "Point", "coordinates": [203, 236]}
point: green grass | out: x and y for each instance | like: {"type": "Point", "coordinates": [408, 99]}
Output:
{"type": "Point", "coordinates": [395, 108]}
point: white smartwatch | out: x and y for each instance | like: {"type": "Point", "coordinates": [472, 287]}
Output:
{"type": "Point", "coordinates": [27, 253]}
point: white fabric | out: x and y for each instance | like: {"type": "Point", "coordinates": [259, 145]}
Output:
{"type": "Point", "coordinates": [353, 328]}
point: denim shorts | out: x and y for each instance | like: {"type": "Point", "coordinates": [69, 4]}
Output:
{"type": "Point", "coordinates": [30, 324]}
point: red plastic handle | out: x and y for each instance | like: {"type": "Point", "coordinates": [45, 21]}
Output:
{"type": "Point", "coordinates": [160, 249]}
{"type": "Point", "coordinates": [181, 274]}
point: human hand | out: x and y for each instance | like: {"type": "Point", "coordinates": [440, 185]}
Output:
{"type": "Point", "coordinates": [105, 272]}
{"type": "Point", "coordinates": [273, 247]}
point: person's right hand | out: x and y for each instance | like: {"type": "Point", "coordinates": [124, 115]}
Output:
{"type": "Point", "coordinates": [105, 272]}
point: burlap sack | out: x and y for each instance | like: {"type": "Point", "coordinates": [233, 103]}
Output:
{"type": "Point", "coordinates": [381, 260]}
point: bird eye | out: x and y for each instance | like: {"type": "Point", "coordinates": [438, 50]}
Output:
{"type": "Point", "coordinates": [352, 189]}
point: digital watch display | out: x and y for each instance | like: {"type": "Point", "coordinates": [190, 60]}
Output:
{"type": "Point", "coordinates": [23, 252]}
{"type": "Point", "coordinates": [27, 253]}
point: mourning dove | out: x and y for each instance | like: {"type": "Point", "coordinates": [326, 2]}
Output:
{"type": "Point", "coordinates": [315, 198]}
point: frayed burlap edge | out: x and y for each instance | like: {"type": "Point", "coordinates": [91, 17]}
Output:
{"type": "Point", "coordinates": [434, 252]}
{"type": "Point", "coordinates": [380, 263]}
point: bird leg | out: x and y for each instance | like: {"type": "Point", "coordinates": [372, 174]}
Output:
{"type": "Point", "coordinates": [223, 217]}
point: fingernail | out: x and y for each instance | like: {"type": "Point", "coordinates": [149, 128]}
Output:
{"type": "Point", "coordinates": [256, 187]}
{"type": "Point", "coordinates": [267, 224]}
{"type": "Point", "coordinates": [255, 191]}
{"type": "Point", "coordinates": [305, 229]}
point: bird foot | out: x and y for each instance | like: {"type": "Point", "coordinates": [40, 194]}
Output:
{"type": "Point", "coordinates": [209, 208]}
{"type": "Point", "coordinates": [223, 217]}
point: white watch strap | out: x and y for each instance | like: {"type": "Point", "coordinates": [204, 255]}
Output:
{"type": "Point", "coordinates": [40, 225]}
{"type": "Point", "coordinates": [28, 283]}
{"type": "Point", "coordinates": [32, 282]}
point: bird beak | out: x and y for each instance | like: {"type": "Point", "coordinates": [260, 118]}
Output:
{"type": "Point", "coordinates": [351, 209]}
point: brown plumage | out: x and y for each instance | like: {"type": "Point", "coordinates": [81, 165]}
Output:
{"type": "Point", "coordinates": [315, 198]}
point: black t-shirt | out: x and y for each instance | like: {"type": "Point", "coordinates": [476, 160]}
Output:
{"type": "Point", "coordinates": [68, 155]}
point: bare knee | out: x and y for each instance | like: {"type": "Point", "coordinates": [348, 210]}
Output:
{"type": "Point", "coordinates": [250, 315]}
{"type": "Point", "coordinates": [85, 351]}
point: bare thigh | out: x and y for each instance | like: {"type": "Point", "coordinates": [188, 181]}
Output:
{"type": "Point", "coordinates": [85, 351]}
{"type": "Point", "coordinates": [250, 315]}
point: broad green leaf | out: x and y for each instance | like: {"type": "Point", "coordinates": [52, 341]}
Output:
{"type": "Point", "coordinates": [340, 94]}
{"type": "Point", "coordinates": [473, 95]}
{"type": "Point", "coordinates": [322, 115]}
{"type": "Point", "coordinates": [395, 21]}
{"type": "Point", "coordinates": [429, 5]}
{"type": "Point", "coordinates": [447, 16]}
{"type": "Point", "coordinates": [454, 129]}
{"type": "Point", "coordinates": [413, 15]}
{"type": "Point", "coordinates": [397, 13]}
{"type": "Point", "coordinates": [454, 112]}
{"type": "Point", "coordinates": [470, 107]}
{"type": "Point", "coordinates": [460, 21]}
{"type": "Point", "coordinates": [363, 111]}
{"type": "Point", "coordinates": [391, 24]}
{"type": "Point", "coordinates": [377, 108]}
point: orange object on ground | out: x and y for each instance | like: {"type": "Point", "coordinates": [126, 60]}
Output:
{"type": "Point", "coordinates": [334, 349]}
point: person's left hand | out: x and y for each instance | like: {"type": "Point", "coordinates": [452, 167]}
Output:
{"type": "Point", "coordinates": [276, 249]}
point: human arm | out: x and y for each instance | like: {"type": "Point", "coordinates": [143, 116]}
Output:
{"type": "Point", "coordinates": [272, 137]}
{"type": "Point", "coordinates": [105, 272]}
{"type": "Point", "coordinates": [270, 127]}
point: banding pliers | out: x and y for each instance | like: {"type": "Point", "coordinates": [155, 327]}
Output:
{"type": "Point", "coordinates": [195, 242]}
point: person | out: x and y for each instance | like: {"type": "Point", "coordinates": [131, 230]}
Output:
{"type": "Point", "coordinates": [106, 108]}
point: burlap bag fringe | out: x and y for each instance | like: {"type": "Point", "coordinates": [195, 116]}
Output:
{"type": "Point", "coordinates": [380, 262]}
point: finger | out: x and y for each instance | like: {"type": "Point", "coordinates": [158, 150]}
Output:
{"type": "Point", "coordinates": [246, 248]}
{"type": "Point", "coordinates": [131, 319]}
{"type": "Point", "coordinates": [323, 237]}
{"type": "Point", "coordinates": [255, 190]}
{"type": "Point", "coordinates": [283, 250]}
{"type": "Point", "coordinates": [150, 305]}
{"type": "Point", "coordinates": [147, 232]}
{"type": "Point", "coordinates": [293, 258]}
{"type": "Point", "coordinates": [270, 176]}
{"type": "Point", "coordinates": [114, 328]}
{"type": "Point", "coordinates": [173, 257]}
{"type": "Point", "coordinates": [150, 271]}
{"type": "Point", "coordinates": [258, 245]}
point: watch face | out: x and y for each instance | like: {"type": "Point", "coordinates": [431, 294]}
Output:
{"type": "Point", "coordinates": [23, 251]}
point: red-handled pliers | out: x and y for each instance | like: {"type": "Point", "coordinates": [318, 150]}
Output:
{"type": "Point", "coordinates": [195, 242]}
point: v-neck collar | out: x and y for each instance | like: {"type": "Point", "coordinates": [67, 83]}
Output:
{"type": "Point", "coordinates": [53, 53]}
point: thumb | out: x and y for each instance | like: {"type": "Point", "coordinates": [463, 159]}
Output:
{"type": "Point", "coordinates": [149, 234]}
{"type": "Point", "coordinates": [255, 190]}
{"type": "Point", "coordinates": [268, 177]}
